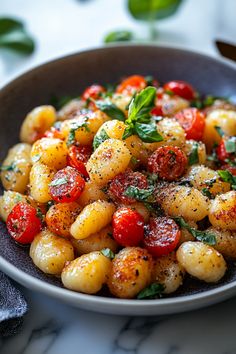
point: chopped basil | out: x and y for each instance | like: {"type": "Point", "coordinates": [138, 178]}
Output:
{"type": "Point", "coordinates": [11, 167]}
{"type": "Point", "coordinates": [152, 178]}
{"type": "Point", "coordinates": [36, 158]}
{"type": "Point", "coordinates": [111, 110]}
{"type": "Point", "coordinates": [58, 182]}
{"type": "Point", "coordinates": [219, 130]}
{"type": "Point", "coordinates": [118, 36]}
{"type": "Point", "coordinates": [107, 252]}
{"type": "Point", "coordinates": [75, 126]}
{"type": "Point", "coordinates": [193, 157]}
{"type": "Point", "coordinates": [148, 132]}
{"type": "Point", "coordinates": [230, 145]}
{"type": "Point", "coordinates": [207, 193]}
{"type": "Point", "coordinates": [169, 92]}
{"type": "Point", "coordinates": [153, 291]}
{"type": "Point", "coordinates": [59, 102]}
{"type": "Point", "coordinates": [203, 236]}
{"type": "Point", "coordinates": [134, 160]}
{"type": "Point", "coordinates": [50, 204]}
{"type": "Point", "coordinates": [142, 195]}
{"type": "Point", "coordinates": [100, 138]}
{"type": "Point", "coordinates": [227, 176]}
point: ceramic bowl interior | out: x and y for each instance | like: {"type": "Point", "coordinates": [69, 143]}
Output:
{"type": "Point", "coordinates": [69, 76]}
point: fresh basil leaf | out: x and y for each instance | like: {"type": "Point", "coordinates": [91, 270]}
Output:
{"type": "Point", "coordinates": [107, 252]}
{"type": "Point", "coordinates": [207, 193]}
{"type": "Point", "coordinates": [153, 291]}
{"type": "Point", "coordinates": [141, 105]}
{"type": "Point", "coordinates": [147, 132]}
{"type": "Point", "coordinates": [99, 138]}
{"type": "Point", "coordinates": [193, 157]}
{"type": "Point", "coordinates": [111, 110]}
{"type": "Point", "coordinates": [118, 36]}
{"type": "Point", "coordinates": [13, 36]}
{"type": "Point", "coordinates": [203, 236]}
{"type": "Point", "coordinates": [139, 109]}
{"type": "Point", "coordinates": [227, 176]}
{"type": "Point", "coordinates": [58, 182]}
{"type": "Point", "coordinates": [140, 194]}
{"type": "Point", "coordinates": [219, 131]}
{"type": "Point", "coordinates": [153, 9]}
{"type": "Point", "coordinates": [230, 145]}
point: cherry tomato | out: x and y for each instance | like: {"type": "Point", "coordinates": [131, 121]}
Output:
{"type": "Point", "coordinates": [132, 84]}
{"type": "Point", "coordinates": [67, 185]}
{"type": "Point", "coordinates": [180, 88]}
{"type": "Point", "coordinates": [93, 91]}
{"type": "Point", "coordinates": [157, 111]}
{"type": "Point", "coordinates": [192, 121]}
{"type": "Point", "coordinates": [122, 181]}
{"type": "Point", "coordinates": [22, 223]}
{"type": "Point", "coordinates": [168, 162]}
{"type": "Point", "coordinates": [128, 227]}
{"type": "Point", "coordinates": [53, 133]}
{"type": "Point", "coordinates": [78, 156]}
{"type": "Point", "coordinates": [162, 236]}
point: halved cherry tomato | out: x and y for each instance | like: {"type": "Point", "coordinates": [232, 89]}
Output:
{"type": "Point", "coordinates": [192, 121]}
{"type": "Point", "coordinates": [93, 91]}
{"type": "Point", "coordinates": [122, 181]}
{"type": "Point", "coordinates": [168, 162]}
{"type": "Point", "coordinates": [163, 235]}
{"type": "Point", "coordinates": [53, 133]}
{"type": "Point", "coordinates": [128, 227]}
{"type": "Point", "coordinates": [131, 84]}
{"type": "Point", "coordinates": [78, 156]}
{"type": "Point", "coordinates": [23, 224]}
{"type": "Point", "coordinates": [180, 88]}
{"type": "Point", "coordinates": [67, 185]}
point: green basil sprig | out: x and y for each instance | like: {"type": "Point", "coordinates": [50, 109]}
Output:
{"type": "Point", "coordinates": [139, 118]}
{"type": "Point", "coordinates": [13, 36]}
{"type": "Point", "coordinates": [203, 236]}
{"type": "Point", "coordinates": [152, 9]}
{"type": "Point", "coordinates": [99, 138]}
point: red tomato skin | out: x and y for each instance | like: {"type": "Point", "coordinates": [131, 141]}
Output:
{"type": "Point", "coordinates": [162, 237]}
{"type": "Point", "coordinates": [180, 88]}
{"type": "Point", "coordinates": [128, 227]}
{"type": "Point", "coordinates": [221, 152]}
{"type": "Point", "coordinates": [93, 91]}
{"type": "Point", "coordinates": [131, 84]}
{"type": "Point", "coordinates": [157, 111]}
{"type": "Point", "coordinates": [169, 162]}
{"type": "Point", "coordinates": [193, 122]}
{"type": "Point", "coordinates": [22, 223]}
{"type": "Point", "coordinates": [77, 157]}
{"type": "Point", "coordinates": [122, 181]}
{"type": "Point", "coordinates": [69, 191]}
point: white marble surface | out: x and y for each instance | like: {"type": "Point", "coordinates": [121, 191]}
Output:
{"type": "Point", "coordinates": [50, 327]}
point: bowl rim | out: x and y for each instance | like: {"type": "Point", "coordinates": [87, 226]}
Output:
{"type": "Point", "coordinates": [42, 286]}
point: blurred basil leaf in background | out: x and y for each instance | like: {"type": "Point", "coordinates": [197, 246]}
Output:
{"type": "Point", "coordinates": [13, 36]}
{"type": "Point", "coordinates": [152, 9]}
{"type": "Point", "coordinates": [118, 36]}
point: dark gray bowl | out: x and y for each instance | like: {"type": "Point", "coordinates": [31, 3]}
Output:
{"type": "Point", "coordinates": [69, 76]}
